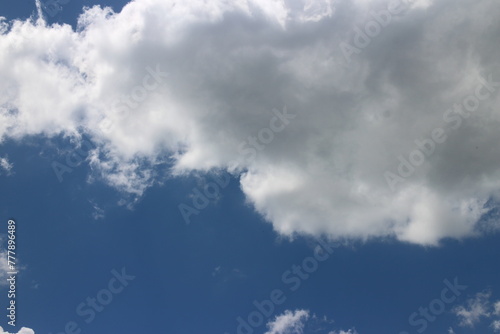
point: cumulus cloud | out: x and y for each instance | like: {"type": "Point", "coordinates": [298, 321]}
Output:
{"type": "Point", "coordinates": [379, 141]}
{"type": "Point", "coordinates": [23, 330]}
{"type": "Point", "coordinates": [290, 322]}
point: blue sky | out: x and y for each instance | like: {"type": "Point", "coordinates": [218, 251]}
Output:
{"type": "Point", "coordinates": [334, 198]}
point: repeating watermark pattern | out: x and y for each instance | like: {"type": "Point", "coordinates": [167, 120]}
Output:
{"type": "Point", "coordinates": [12, 273]}
{"type": "Point", "coordinates": [425, 315]}
{"type": "Point", "coordinates": [52, 7]}
{"type": "Point", "coordinates": [453, 117]}
{"type": "Point", "coordinates": [89, 308]}
{"type": "Point", "coordinates": [248, 149]}
{"type": "Point", "coordinates": [292, 278]}
{"type": "Point", "coordinates": [381, 19]}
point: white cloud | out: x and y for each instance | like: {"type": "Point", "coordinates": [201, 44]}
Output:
{"type": "Point", "coordinates": [6, 165]}
{"type": "Point", "coordinates": [350, 331]}
{"type": "Point", "coordinates": [497, 308]}
{"type": "Point", "coordinates": [4, 268]}
{"type": "Point", "coordinates": [290, 322]}
{"type": "Point", "coordinates": [4, 263]}
{"type": "Point", "coordinates": [301, 321]}
{"type": "Point", "coordinates": [23, 330]}
{"type": "Point", "coordinates": [496, 325]}
{"type": "Point", "coordinates": [220, 67]}
{"type": "Point", "coordinates": [477, 308]}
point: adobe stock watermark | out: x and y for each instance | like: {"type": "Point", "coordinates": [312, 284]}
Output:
{"type": "Point", "coordinates": [249, 149]}
{"type": "Point", "coordinates": [381, 19]}
{"type": "Point", "coordinates": [73, 159]}
{"type": "Point", "coordinates": [52, 7]}
{"type": "Point", "coordinates": [138, 94]}
{"type": "Point", "coordinates": [453, 117]}
{"type": "Point", "coordinates": [89, 308]}
{"type": "Point", "coordinates": [436, 307]}
{"type": "Point", "coordinates": [292, 278]}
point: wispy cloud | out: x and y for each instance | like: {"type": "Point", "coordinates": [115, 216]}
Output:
{"type": "Point", "coordinates": [302, 321]}
{"type": "Point", "coordinates": [6, 166]}
{"type": "Point", "coordinates": [4, 268]}
{"type": "Point", "coordinates": [477, 309]}
{"type": "Point", "coordinates": [98, 212]}
{"type": "Point", "coordinates": [350, 331]}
